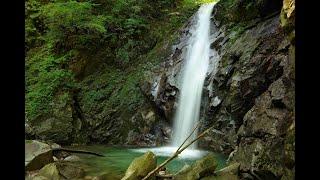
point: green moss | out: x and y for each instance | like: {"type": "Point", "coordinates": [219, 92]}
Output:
{"type": "Point", "coordinates": [236, 31]}
{"type": "Point", "coordinates": [101, 48]}
{"type": "Point", "coordinates": [44, 78]}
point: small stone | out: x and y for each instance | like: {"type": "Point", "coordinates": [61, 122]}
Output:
{"type": "Point", "coordinates": [55, 158]}
{"type": "Point", "coordinates": [216, 101]}
{"type": "Point", "coordinates": [72, 158]}
{"type": "Point", "coordinates": [55, 145]}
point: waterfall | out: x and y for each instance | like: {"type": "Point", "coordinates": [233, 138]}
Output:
{"type": "Point", "coordinates": [194, 73]}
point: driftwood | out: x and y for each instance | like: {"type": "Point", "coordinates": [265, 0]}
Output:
{"type": "Point", "coordinates": [179, 150]}
{"type": "Point", "coordinates": [77, 151]}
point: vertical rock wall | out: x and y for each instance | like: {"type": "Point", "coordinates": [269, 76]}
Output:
{"type": "Point", "coordinates": [250, 101]}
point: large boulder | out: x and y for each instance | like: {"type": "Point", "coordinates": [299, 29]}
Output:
{"type": "Point", "coordinates": [201, 168]}
{"type": "Point", "coordinates": [37, 155]}
{"type": "Point", "coordinates": [141, 166]}
{"type": "Point", "coordinates": [57, 171]}
{"type": "Point", "coordinates": [70, 170]}
{"type": "Point", "coordinates": [50, 171]}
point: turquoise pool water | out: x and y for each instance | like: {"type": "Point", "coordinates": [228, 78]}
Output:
{"type": "Point", "coordinates": [118, 159]}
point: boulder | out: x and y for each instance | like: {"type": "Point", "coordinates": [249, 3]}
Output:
{"type": "Point", "coordinates": [231, 169]}
{"type": "Point", "coordinates": [70, 170]}
{"type": "Point", "coordinates": [199, 169]}
{"type": "Point", "coordinates": [37, 155]}
{"type": "Point", "coordinates": [141, 166]}
{"type": "Point", "coordinates": [50, 171]}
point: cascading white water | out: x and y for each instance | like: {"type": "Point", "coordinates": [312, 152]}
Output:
{"type": "Point", "coordinates": [193, 76]}
{"type": "Point", "coordinates": [197, 62]}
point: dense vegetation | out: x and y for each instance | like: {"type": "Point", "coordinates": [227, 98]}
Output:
{"type": "Point", "coordinates": [67, 41]}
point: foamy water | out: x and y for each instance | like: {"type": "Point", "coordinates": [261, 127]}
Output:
{"type": "Point", "coordinates": [169, 151]}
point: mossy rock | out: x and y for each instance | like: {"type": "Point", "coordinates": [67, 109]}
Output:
{"type": "Point", "coordinates": [37, 155]}
{"type": "Point", "coordinates": [50, 171]}
{"type": "Point", "coordinates": [70, 170]}
{"type": "Point", "coordinates": [141, 166]}
{"type": "Point", "coordinates": [287, 16]}
{"type": "Point", "coordinates": [199, 169]}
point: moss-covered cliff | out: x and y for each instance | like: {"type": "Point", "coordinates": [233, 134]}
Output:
{"type": "Point", "coordinates": [84, 63]}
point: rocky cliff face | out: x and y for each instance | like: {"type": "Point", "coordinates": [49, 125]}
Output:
{"type": "Point", "coordinates": [250, 100]}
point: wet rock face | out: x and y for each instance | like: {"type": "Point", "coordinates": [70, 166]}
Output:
{"type": "Point", "coordinates": [266, 138]}
{"type": "Point", "coordinates": [162, 85]}
{"type": "Point", "coordinates": [268, 130]}
{"type": "Point", "coordinates": [243, 10]}
{"type": "Point", "coordinates": [248, 96]}
{"type": "Point", "coordinates": [249, 63]}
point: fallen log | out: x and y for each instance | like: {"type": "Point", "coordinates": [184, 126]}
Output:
{"type": "Point", "coordinates": [77, 151]}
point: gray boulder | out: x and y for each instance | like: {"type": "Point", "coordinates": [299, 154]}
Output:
{"type": "Point", "coordinates": [37, 155]}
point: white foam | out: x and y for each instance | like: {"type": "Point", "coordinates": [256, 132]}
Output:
{"type": "Point", "coordinates": [170, 150]}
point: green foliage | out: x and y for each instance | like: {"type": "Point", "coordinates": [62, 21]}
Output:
{"type": "Point", "coordinates": [127, 35]}
{"type": "Point", "coordinates": [34, 25]}
{"type": "Point", "coordinates": [44, 78]}
{"type": "Point", "coordinates": [72, 24]}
